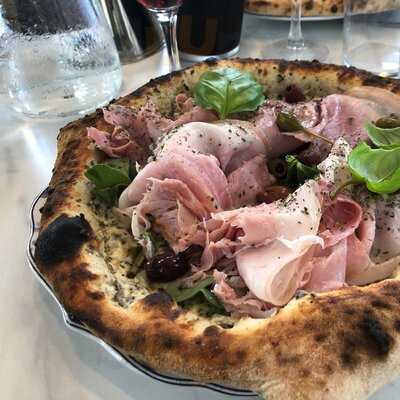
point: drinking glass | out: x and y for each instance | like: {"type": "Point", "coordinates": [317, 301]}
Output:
{"type": "Point", "coordinates": [166, 12]}
{"type": "Point", "coordinates": [371, 36]}
{"type": "Point", "coordinates": [295, 47]}
{"type": "Point", "coordinates": [209, 28]}
{"type": "Point", "coordinates": [61, 57]}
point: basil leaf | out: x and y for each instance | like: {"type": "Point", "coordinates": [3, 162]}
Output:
{"type": "Point", "coordinates": [228, 91]}
{"type": "Point", "coordinates": [212, 299]}
{"type": "Point", "coordinates": [183, 294]}
{"type": "Point", "coordinates": [288, 122]}
{"type": "Point", "coordinates": [298, 172]}
{"type": "Point", "coordinates": [383, 137]}
{"type": "Point", "coordinates": [109, 179]}
{"type": "Point", "coordinates": [379, 169]}
{"type": "Point", "coordinates": [106, 175]}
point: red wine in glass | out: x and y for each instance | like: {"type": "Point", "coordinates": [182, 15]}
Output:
{"type": "Point", "coordinates": [159, 5]}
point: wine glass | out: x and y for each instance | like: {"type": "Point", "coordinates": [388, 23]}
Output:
{"type": "Point", "coordinates": [295, 47]}
{"type": "Point", "coordinates": [166, 12]}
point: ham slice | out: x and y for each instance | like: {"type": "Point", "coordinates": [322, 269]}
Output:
{"type": "Point", "coordinates": [200, 173]}
{"type": "Point", "coordinates": [174, 209]}
{"type": "Point", "coordinates": [142, 126]}
{"type": "Point", "coordinates": [117, 144]}
{"type": "Point", "coordinates": [244, 305]}
{"type": "Point", "coordinates": [249, 180]}
{"type": "Point", "coordinates": [341, 117]}
{"type": "Point", "coordinates": [274, 242]}
{"type": "Point", "coordinates": [232, 142]}
{"type": "Point", "coordinates": [388, 101]}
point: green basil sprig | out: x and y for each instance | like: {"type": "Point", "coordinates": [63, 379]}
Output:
{"type": "Point", "coordinates": [378, 168]}
{"type": "Point", "coordinates": [109, 179]}
{"type": "Point", "coordinates": [228, 91]}
{"type": "Point", "coordinates": [181, 295]}
{"type": "Point", "coordinates": [297, 172]}
{"type": "Point", "coordinates": [383, 137]}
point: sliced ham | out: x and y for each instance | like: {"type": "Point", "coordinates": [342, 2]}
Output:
{"type": "Point", "coordinates": [117, 144]}
{"type": "Point", "coordinates": [388, 101]}
{"type": "Point", "coordinates": [174, 209]}
{"type": "Point", "coordinates": [328, 268]}
{"type": "Point", "coordinates": [240, 305]}
{"type": "Point", "coordinates": [387, 238]}
{"type": "Point", "coordinates": [341, 117]}
{"type": "Point", "coordinates": [274, 242]}
{"type": "Point", "coordinates": [199, 172]}
{"type": "Point", "coordinates": [232, 142]}
{"type": "Point", "coordinates": [143, 126]}
{"type": "Point", "coordinates": [248, 181]}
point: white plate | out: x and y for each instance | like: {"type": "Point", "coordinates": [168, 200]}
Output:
{"type": "Point", "coordinates": [76, 325]}
{"type": "Point", "coordinates": [287, 19]}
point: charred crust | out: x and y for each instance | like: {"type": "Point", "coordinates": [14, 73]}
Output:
{"type": "Point", "coordinates": [212, 330]}
{"type": "Point", "coordinates": [158, 299]}
{"type": "Point", "coordinates": [61, 240]}
{"type": "Point", "coordinates": [378, 341]}
{"type": "Point", "coordinates": [169, 341]}
{"type": "Point", "coordinates": [96, 295]}
{"type": "Point", "coordinates": [320, 337]}
{"type": "Point", "coordinates": [378, 303]}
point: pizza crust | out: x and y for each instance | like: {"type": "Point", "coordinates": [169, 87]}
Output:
{"type": "Point", "coordinates": [342, 344]}
{"type": "Point", "coordinates": [316, 8]}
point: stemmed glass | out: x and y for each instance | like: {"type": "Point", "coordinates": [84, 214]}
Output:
{"type": "Point", "coordinates": [166, 12]}
{"type": "Point", "coordinates": [295, 47]}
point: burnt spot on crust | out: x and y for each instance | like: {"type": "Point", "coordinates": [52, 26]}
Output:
{"type": "Point", "coordinates": [212, 330]}
{"type": "Point", "coordinates": [378, 341]}
{"type": "Point", "coordinates": [159, 299]}
{"type": "Point", "coordinates": [320, 337]}
{"type": "Point", "coordinates": [397, 325]}
{"type": "Point", "coordinates": [378, 303]}
{"type": "Point", "coordinates": [96, 295]}
{"type": "Point", "coordinates": [62, 239]}
{"type": "Point", "coordinates": [308, 5]}
{"type": "Point", "coordinates": [168, 341]}
{"type": "Point", "coordinates": [370, 337]}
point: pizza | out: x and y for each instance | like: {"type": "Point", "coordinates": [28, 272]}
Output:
{"type": "Point", "coordinates": [316, 8]}
{"type": "Point", "coordinates": [237, 222]}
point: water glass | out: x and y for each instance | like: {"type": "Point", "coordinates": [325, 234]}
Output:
{"type": "Point", "coordinates": [61, 56]}
{"type": "Point", "coordinates": [372, 36]}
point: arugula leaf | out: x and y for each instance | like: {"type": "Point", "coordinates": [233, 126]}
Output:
{"type": "Point", "coordinates": [109, 179]}
{"type": "Point", "coordinates": [298, 172]}
{"type": "Point", "coordinates": [392, 121]}
{"type": "Point", "coordinates": [228, 91]}
{"type": "Point", "coordinates": [181, 295]}
{"type": "Point", "coordinates": [379, 168]}
{"type": "Point", "coordinates": [383, 137]}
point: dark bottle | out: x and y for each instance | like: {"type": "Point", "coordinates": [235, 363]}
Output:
{"type": "Point", "coordinates": [209, 28]}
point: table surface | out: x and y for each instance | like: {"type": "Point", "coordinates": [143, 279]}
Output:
{"type": "Point", "coordinates": [41, 359]}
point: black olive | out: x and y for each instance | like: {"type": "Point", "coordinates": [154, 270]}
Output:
{"type": "Point", "coordinates": [166, 267]}
{"type": "Point", "coordinates": [278, 168]}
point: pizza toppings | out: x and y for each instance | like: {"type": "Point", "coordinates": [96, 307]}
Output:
{"type": "Point", "coordinates": [267, 200]}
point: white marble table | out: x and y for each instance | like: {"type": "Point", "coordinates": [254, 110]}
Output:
{"type": "Point", "coordinates": [40, 359]}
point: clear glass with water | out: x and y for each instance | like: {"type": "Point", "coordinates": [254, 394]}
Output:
{"type": "Point", "coordinates": [62, 59]}
{"type": "Point", "coordinates": [371, 33]}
